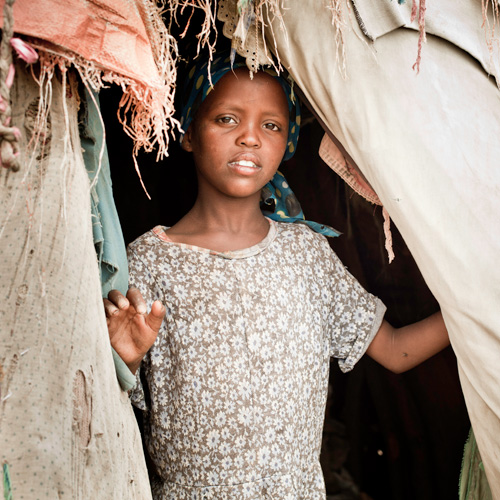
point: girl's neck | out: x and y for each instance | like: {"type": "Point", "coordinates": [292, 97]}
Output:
{"type": "Point", "coordinates": [222, 225]}
{"type": "Point", "coordinates": [229, 214]}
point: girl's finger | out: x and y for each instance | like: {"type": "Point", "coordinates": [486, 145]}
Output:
{"type": "Point", "coordinates": [155, 317]}
{"type": "Point", "coordinates": [118, 299]}
{"type": "Point", "coordinates": [109, 307]}
{"type": "Point", "coordinates": [136, 300]}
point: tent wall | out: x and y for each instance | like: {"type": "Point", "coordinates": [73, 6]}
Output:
{"type": "Point", "coordinates": [66, 429]}
{"type": "Point", "coordinates": [428, 145]}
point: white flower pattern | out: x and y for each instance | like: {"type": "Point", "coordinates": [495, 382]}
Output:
{"type": "Point", "coordinates": [237, 379]}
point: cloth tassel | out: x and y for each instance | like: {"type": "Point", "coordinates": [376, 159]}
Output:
{"type": "Point", "coordinates": [388, 234]}
{"type": "Point", "coordinates": [421, 28]}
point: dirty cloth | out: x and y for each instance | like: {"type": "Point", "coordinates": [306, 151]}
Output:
{"type": "Point", "coordinates": [115, 35]}
{"type": "Point", "coordinates": [67, 430]}
{"type": "Point", "coordinates": [428, 145]}
{"type": "Point", "coordinates": [108, 237]}
{"type": "Point", "coordinates": [237, 380]}
{"type": "Point", "coordinates": [110, 41]}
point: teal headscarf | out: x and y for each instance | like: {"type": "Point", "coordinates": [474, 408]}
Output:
{"type": "Point", "coordinates": [279, 202]}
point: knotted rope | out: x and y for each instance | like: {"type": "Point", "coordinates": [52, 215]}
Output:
{"type": "Point", "coordinates": [9, 136]}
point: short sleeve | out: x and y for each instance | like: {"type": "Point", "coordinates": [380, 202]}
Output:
{"type": "Point", "coordinates": [354, 316]}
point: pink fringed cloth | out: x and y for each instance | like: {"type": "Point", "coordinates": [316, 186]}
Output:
{"type": "Point", "coordinates": [333, 157]}
{"type": "Point", "coordinates": [115, 41]}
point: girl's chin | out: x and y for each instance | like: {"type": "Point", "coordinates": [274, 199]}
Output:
{"type": "Point", "coordinates": [245, 192]}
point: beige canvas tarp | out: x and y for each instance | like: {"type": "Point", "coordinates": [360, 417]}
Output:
{"type": "Point", "coordinates": [428, 144]}
{"type": "Point", "coordinates": [67, 429]}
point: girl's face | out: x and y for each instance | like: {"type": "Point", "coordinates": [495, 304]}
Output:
{"type": "Point", "coordinates": [239, 135]}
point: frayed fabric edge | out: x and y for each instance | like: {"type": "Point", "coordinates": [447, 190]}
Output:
{"type": "Point", "coordinates": [246, 26]}
{"type": "Point", "coordinates": [146, 111]}
{"type": "Point", "coordinates": [421, 28]}
{"type": "Point", "coordinates": [330, 153]}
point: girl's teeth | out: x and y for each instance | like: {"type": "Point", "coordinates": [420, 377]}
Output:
{"type": "Point", "coordinates": [245, 163]}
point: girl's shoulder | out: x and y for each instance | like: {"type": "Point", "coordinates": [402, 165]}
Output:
{"type": "Point", "coordinates": [150, 237]}
{"type": "Point", "coordinates": [300, 230]}
{"type": "Point", "coordinates": [149, 242]}
{"type": "Point", "coordinates": [302, 235]}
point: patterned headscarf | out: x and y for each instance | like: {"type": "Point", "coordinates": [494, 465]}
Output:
{"type": "Point", "coordinates": [279, 202]}
{"type": "Point", "coordinates": [199, 85]}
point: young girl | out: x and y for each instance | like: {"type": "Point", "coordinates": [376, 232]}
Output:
{"type": "Point", "coordinates": [246, 313]}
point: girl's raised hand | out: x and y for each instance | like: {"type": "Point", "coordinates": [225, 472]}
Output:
{"type": "Point", "coordinates": [131, 330]}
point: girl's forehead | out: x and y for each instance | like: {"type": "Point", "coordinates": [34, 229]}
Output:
{"type": "Point", "coordinates": [242, 76]}
{"type": "Point", "coordinates": [238, 85]}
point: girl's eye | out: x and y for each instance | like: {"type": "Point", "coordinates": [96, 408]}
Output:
{"type": "Point", "coordinates": [272, 126]}
{"type": "Point", "coordinates": [226, 119]}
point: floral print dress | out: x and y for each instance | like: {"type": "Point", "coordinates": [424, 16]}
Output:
{"type": "Point", "coordinates": [234, 388]}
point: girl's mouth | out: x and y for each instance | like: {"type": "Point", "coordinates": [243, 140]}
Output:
{"type": "Point", "coordinates": [244, 167]}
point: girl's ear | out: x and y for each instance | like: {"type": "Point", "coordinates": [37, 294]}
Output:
{"type": "Point", "coordinates": [187, 141]}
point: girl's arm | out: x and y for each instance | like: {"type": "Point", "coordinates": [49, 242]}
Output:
{"type": "Point", "coordinates": [399, 349]}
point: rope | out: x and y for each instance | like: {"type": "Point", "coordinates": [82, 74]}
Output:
{"type": "Point", "coordinates": [9, 136]}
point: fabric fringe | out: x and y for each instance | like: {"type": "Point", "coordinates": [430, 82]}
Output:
{"type": "Point", "coordinates": [339, 23]}
{"type": "Point", "coordinates": [421, 28]}
{"type": "Point", "coordinates": [245, 24]}
{"type": "Point", "coordinates": [388, 234]}
{"type": "Point", "coordinates": [270, 10]}
{"type": "Point", "coordinates": [490, 25]}
{"type": "Point", "coordinates": [146, 109]}
{"type": "Point", "coordinates": [145, 112]}
{"type": "Point", "coordinates": [208, 28]}
{"type": "Point", "coordinates": [9, 147]}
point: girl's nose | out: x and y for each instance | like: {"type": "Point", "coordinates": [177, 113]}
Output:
{"type": "Point", "coordinates": [249, 136]}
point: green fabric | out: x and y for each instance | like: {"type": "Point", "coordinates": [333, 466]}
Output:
{"type": "Point", "coordinates": [7, 488]}
{"type": "Point", "coordinates": [126, 378]}
{"type": "Point", "coordinates": [108, 237]}
{"type": "Point", "coordinates": [473, 482]}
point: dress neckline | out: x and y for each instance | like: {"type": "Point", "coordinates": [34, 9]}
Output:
{"type": "Point", "coordinates": [160, 233]}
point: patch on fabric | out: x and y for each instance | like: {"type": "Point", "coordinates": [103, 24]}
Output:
{"type": "Point", "coordinates": [82, 409]}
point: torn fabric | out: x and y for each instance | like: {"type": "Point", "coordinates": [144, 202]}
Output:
{"type": "Point", "coordinates": [112, 41]}
{"type": "Point", "coordinates": [108, 237]}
